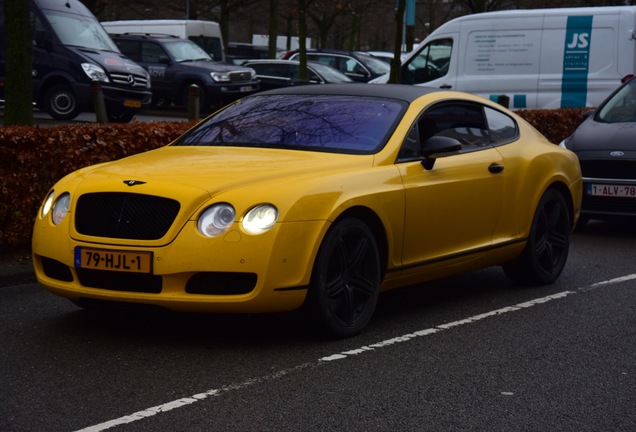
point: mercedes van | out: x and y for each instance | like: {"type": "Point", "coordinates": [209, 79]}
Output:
{"type": "Point", "coordinates": [540, 58]}
{"type": "Point", "coordinates": [71, 50]}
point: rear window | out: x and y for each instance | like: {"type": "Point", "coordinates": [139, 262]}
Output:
{"type": "Point", "coordinates": [342, 124]}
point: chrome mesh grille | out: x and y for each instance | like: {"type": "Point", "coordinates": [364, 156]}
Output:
{"type": "Point", "coordinates": [125, 215]}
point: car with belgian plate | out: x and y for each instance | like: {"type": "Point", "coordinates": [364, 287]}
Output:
{"type": "Point", "coordinates": [605, 144]}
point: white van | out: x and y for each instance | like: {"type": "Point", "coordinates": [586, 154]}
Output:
{"type": "Point", "coordinates": [206, 34]}
{"type": "Point", "coordinates": [542, 58]}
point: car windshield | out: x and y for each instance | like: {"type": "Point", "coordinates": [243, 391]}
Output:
{"type": "Point", "coordinates": [330, 74]}
{"type": "Point", "coordinates": [328, 123]}
{"type": "Point", "coordinates": [377, 66]}
{"type": "Point", "coordinates": [80, 31]}
{"type": "Point", "coordinates": [185, 50]}
{"type": "Point", "coordinates": [621, 107]}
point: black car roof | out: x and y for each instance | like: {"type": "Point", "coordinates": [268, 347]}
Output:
{"type": "Point", "coordinates": [403, 92]}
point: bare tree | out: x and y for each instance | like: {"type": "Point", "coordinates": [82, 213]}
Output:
{"type": "Point", "coordinates": [394, 76]}
{"type": "Point", "coordinates": [19, 83]}
{"type": "Point", "coordinates": [303, 74]}
{"type": "Point", "coordinates": [272, 30]}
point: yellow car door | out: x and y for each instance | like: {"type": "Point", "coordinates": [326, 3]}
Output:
{"type": "Point", "coordinates": [452, 209]}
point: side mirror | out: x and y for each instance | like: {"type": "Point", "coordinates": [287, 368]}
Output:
{"type": "Point", "coordinates": [164, 59]}
{"type": "Point", "coordinates": [588, 114]}
{"type": "Point", "coordinates": [436, 147]}
{"type": "Point", "coordinates": [43, 40]}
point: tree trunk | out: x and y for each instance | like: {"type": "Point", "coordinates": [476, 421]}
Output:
{"type": "Point", "coordinates": [273, 28]}
{"type": "Point", "coordinates": [302, 42]}
{"type": "Point", "coordinates": [396, 63]}
{"type": "Point", "coordinates": [18, 89]}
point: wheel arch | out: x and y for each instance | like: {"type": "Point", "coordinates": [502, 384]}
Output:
{"type": "Point", "coordinates": [46, 84]}
{"type": "Point", "coordinates": [565, 191]}
{"type": "Point", "coordinates": [373, 221]}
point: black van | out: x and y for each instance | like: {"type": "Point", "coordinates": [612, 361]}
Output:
{"type": "Point", "coordinates": [70, 50]}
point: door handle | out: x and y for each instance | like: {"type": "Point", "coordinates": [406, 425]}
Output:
{"type": "Point", "coordinates": [495, 168]}
{"type": "Point", "coordinates": [445, 86]}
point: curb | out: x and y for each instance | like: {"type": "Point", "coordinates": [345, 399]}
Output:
{"type": "Point", "coordinates": [17, 274]}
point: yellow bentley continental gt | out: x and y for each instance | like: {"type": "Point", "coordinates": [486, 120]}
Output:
{"type": "Point", "coordinates": [314, 197]}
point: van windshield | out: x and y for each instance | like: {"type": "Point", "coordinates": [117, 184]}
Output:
{"type": "Point", "coordinates": [80, 31]}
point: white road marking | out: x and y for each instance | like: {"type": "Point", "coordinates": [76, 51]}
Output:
{"type": "Point", "coordinates": [149, 412]}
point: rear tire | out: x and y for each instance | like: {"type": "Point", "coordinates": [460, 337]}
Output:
{"type": "Point", "coordinates": [346, 279]}
{"type": "Point", "coordinates": [546, 251]}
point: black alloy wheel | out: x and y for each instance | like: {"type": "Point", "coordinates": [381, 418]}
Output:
{"type": "Point", "coordinates": [546, 251]}
{"type": "Point", "coordinates": [346, 279]}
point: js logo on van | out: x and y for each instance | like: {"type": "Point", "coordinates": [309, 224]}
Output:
{"type": "Point", "coordinates": [579, 40]}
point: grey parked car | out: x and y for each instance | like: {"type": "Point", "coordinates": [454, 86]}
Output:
{"type": "Point", "coordinates": [606, 146]}
{"type": "Point", "coordinates": [284, 73]}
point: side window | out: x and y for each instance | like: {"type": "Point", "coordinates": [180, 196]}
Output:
{"type": "Point", "coordinates": [503, 129]}
{"type": "Point", "coordinates": [411, 147]}
{"type": "Point", "coordinates": [353, 66]}
{"type": "Point", "coordinates": [313, 77]}
{"type": "Point", "coordinates": [329, 60]}
{"type": "Point", "coordinates": [36, 25]}
{"type": "Point", "coordinates": [430, 63]}
{"type": "Point", "coordinates": [271, 70]}
{"type": "Point", "coordinates": [129, 49]}
{"type": "Point", "coordinates": [151, 52]}
{"type": "Point", "coordinates": [464, 122]}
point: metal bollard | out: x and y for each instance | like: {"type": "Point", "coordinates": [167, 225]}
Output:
{"type": "Point", "coordinates": [98, 102]}
{"type": "Point", "coordinates": [193, 102]}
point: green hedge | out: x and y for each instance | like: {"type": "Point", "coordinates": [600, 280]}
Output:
{"type": "Point", "coordinates": [32, 159]}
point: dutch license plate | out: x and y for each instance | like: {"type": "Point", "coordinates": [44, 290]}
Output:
{"type": "Point", "coordinates": [101, 259]}
{"type": "Point", "coordinates": [132, 103]}
{"type": "Point", "coordinates": [246, 88]}
{"type": "Point", "coordinates": [624, 191]}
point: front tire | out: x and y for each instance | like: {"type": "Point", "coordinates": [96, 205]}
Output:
{"type": "Point", "coordinates": [546, 251]}
{"type": "Point", "coordinates": [346, 279]}
{"type": "Point", "coordinates": [60, 102]}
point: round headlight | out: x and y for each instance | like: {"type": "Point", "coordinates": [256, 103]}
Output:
{"type": "Point", "coordinates": [60, 208]}
{"type": "Point", "coordinates": [48, 203]}
{"type": "Point", "coordinates": [260, 219]}
{"type": "Point", "coordinates": [216, 220]}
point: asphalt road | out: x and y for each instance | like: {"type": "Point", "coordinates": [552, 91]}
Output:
{"type": "Point", "coordinates": [40, 118]}
{"type": "Point", "coordinates": [468, 353]}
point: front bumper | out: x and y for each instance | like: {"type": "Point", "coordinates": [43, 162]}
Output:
{"type": "Point", "coordinates": [603, 197]}
{"type": "Point", "coordinates": [232, 273]}
{"type": "Point", "coordinates": [115, 98]}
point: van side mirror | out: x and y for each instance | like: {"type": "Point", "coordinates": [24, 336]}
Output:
{"type": "Point", "coordinates": [164, 59]}
{"type": "Point", "coordinates": [43, 40]}
{"type": "Point", "coordinates": [436, 147]}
